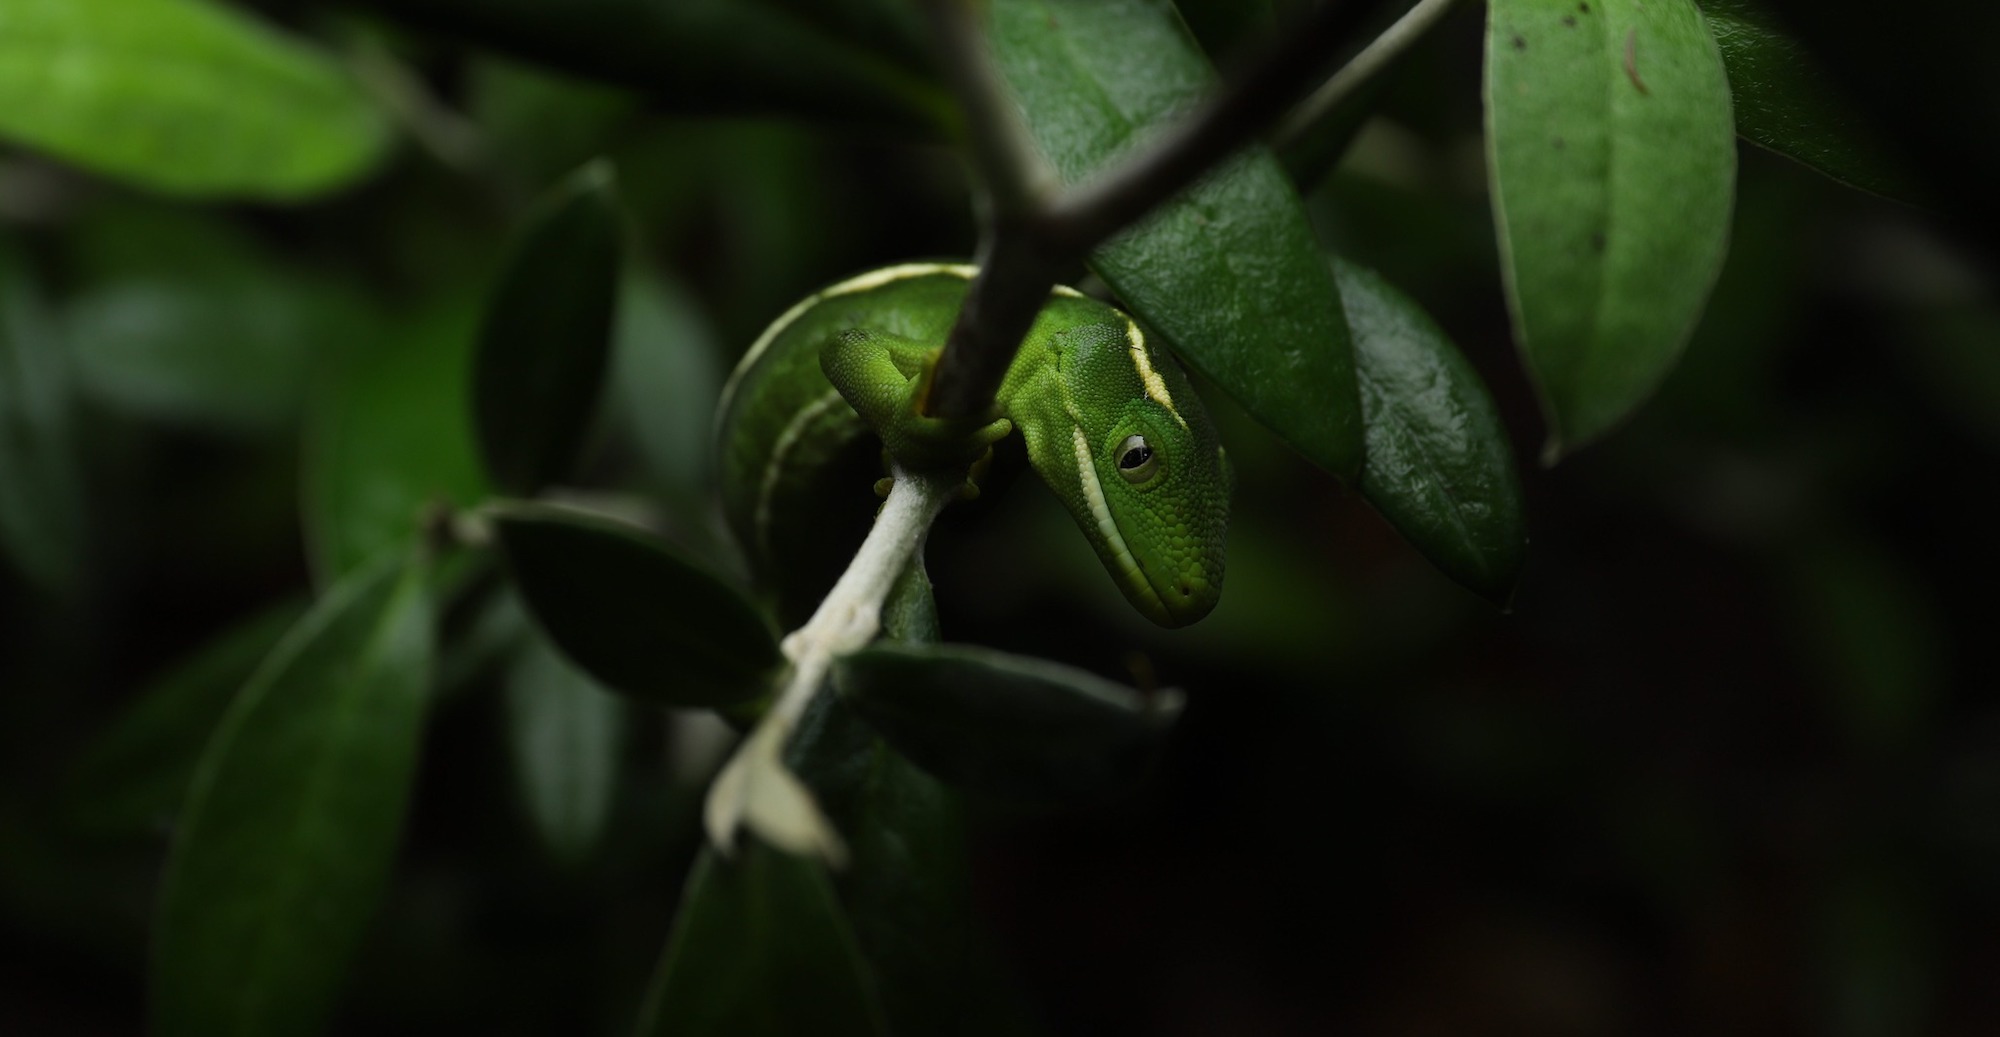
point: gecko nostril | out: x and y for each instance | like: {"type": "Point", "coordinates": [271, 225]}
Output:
{"type": "Point", "coordinates": [1186, 591]}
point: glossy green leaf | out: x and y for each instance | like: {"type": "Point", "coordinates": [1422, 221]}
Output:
{"type": "Point", "coordinates": [41, 502]}
{"type": "Point", "coordinates": [736, 56]}
{"type": "Point", "coordinates": [633, 612]}
{"type": "Point", "coordinates": [1230, 272]}
{"type": "Point", "coordinates": [565, 734]}
{"type": "Point", "coordinates": [186, 97]}
{"type": "Point", "coordinates": [1612, 162]}
{"type": "Point", "coordinates": [134, 776]}
{"type": "Point", "coordinates": [1440, 468]}
{"type": "Point", "coordinates": [388, 435]}
{"type": "Point", "coordinates": [291, 824]}
{"type": "Point", "coordinates": [761, 948]}
{"type": "Point", "coordinates": [1018, 727]}
{"type": "Point", "coordinates": [1784, 102]}
{"type": "Point", "coordinates": [184, 318]}
{"type": "Point", "coordinates": [546, 335]}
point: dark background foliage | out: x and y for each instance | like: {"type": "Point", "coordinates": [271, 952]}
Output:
{"type": "Point", "coordinates": [1731, 763]}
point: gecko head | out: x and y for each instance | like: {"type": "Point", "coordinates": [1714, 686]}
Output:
{"type": "Point", "coordinates": [1156, 485]}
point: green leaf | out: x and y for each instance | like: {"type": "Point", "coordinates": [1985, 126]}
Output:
{"type": "Point", "coordinates": [388, 436]}
{"type": "Point", "coordinates": [1612, 161]}
{"type": "Point", "coordinates": [292, 822]}
{"type": "Point", "coordinates": [738, 56]}
{"type": "Point", "coordinates": [1230, 272]}
{"type": "Point", "coordinates": [910, 611]}
{"type": "Point", "coordinates": [666, 378]}
{"type": "Point", "coordinates": [1784, 102]}
{"type": "Point", "coordinates": [761, 949]}
{"type": "Point", "coordinates": [546, 334]}
{"type": "Point", "coordinates": [134, 776]}
{"type": "Point", "coordinates": [632, 612]}
{"type": "Point", "coordinates": [1439, 465]}
{"type": "Point", "coordinates": [41, 497]}
{"type": "Point", "coordinates": [907, 886]}
{"type": "Point", "coordinates": [187, 320]}
{"type": "Point", "coordinates": [184, 97]}
{"type": "Point", "coordinates": [1018, 727]}
{"type": "Point", "coordinates": [565, 733]}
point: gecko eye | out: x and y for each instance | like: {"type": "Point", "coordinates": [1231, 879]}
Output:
{"type": "Point", "coordinates": [1135, 459]}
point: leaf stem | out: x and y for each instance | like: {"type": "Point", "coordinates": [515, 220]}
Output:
{"type": "Point", "coordinates": [755, 788]}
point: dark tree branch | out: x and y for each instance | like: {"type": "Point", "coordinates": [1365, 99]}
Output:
{"type": "Point", "coordinates": [1027, 247]}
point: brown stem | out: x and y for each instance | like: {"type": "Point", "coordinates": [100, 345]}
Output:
{"type": "Point", "coordinates": [1030, 240]}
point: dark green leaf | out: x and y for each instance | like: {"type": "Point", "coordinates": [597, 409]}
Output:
{"type": "Point", "coordinates": [134, 776]}
{"type": "Point", "coordinates": [666, 377]}
{"type": "Point", "coordinates": [1229, 273]}
{"type": "Point", "coordinates": [41, 503]}
{"type": "Point", "coordinates": [565, 733]}
{"type": "Point", "coordinates": [1023, 728]}
{"type": "Point", "coordinates": [478, 643]}
{"type": "Point", "coordinates": [1612, 162]}
{"type": "Point", "coordinates": [183, 96]}
{"type": "Point", "coordinates": [906, 885]}
{"type": "Point", "coordinates": [1784, 102]}
{"type": "Point", "coordinates": [1439, 465]}
{"type": "Point", "coordinates": [387, 436]}
{"type": "Point", "coordinates": [183, 318]}
{"type": "Point", "coordinates": [634, 613]}
{"type": "Point", "coordinates": [1867, 626]}
{"type": "Point", "coordinates": [910, 612]}
{"type": "Point", "coordinates": [761, 949]}
{"type": "Point", "coordinates": [292, 821]}
{"type": "Point", "coordinates": [546, 334]}
{"type": "Point", "coordinates": [539, 124]}
{"type": "Point", "coordinates": [738, 56]}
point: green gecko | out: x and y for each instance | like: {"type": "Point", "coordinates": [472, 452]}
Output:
{"type": "Point", "coordinates": [1109, 420]}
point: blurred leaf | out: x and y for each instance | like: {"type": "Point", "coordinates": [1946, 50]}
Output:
{"type": "Point", "coordinates": [541, 124]}
{"type": "Point", "coordinates": [292, 822]}
{"type": "Point", "coordinates": [1230, 272]}
{"type": "Point", "coordinates": [1956, 354]}
{"type": "Point", "coordinates": [186, 319]}
{"type": "Point", "coordinates": [1612, 165]}
{"type": "Point", "coordinates": [666, 377]}
{"type": "Point", "coordinates": [634, 613]}
{"type": "Point", "coordinates": [761, 949]}
{"type": "Point", "coordinates": [387, 435]}
{"type": "Point", "coordinates": [546, 334]}
{"type": "Point", "coordinates": [909, 614]}
{"type": "Point", "coordinates": [185, 97]}
{"type": "Point", "coordinates": [1784, 102]}
{"type": "Point", "coordinates": [495, 632]}
{"type": "Point", "coordinates": [1876, 945]}
{"type": "Point", "coordinates": [134, 776]}
{"type": "Point", "coordinates": [565, 733]}
{"type": "Point", "coordinates": [1870, 633]}
{"type": "Point", "coordinates": [746, 56]}
{"type": "Point", "coordinates": [41, 496]}
{"type": "Point", "coordinates": [1018, 727]}
{"type": "Point", "coordinates": [1439, 465]}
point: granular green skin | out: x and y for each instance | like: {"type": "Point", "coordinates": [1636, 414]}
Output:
{"type": "Point", "coordinates": [1109, 421]}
